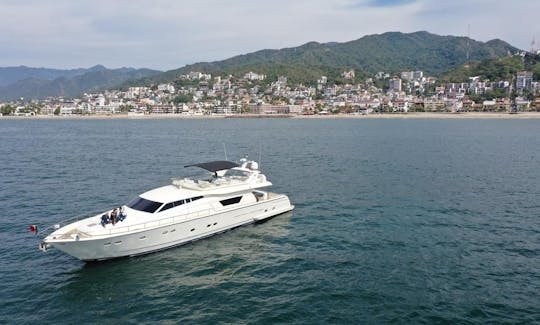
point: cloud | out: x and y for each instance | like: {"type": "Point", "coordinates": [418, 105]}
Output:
{"type": "Point", "coordinates": [167, 34]}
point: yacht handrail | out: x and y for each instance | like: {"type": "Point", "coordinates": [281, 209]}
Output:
{"type": "Point", "coordinates": [165, 221]}
{"type": "Point", "coordinates": [156, 223]}
{"type": "Point", "coordinates": [44, 233]}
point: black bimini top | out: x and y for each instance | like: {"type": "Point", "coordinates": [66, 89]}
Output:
{"type": "Point", "coordinates": [214, 166]}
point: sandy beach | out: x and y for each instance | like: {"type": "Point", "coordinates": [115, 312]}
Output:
{"type": "Point", "coordinates": [429, 115]}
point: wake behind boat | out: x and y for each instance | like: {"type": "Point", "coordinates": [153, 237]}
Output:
{"type": "Point", "coordinates": [188, 209]}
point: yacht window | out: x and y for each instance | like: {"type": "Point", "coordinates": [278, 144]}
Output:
{"type": "Point", "coordinates": [167, 206]}
{"type": "Point", "coordinates": [236, 173]}
{"type": "Point", "coordinates": [144, 205]}
{"type": "Point", "coordinates": [179, 202]}
{"type": "Point", "coordinates": [171, 205]}
{"type": "Point", "coordinates": [230, 201]}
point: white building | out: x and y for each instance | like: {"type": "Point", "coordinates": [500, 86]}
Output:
{"type": "Point", "coordinates": [166, 87]}
{"type": "Point", "coordinates": [254, 76]}
{"type": "Point", "coordinates": [382, 75]}
{"type": "Point", "coordinates": [412, 75]}
{"type": "Point", "coordinates": [407, 75]}
{"type": "Point", "coordinates": [348, 74]}
{"type": "Point", "coordinates": [67, 109]}
{"type": "Point", "coordinates": [100, 101]}
{"type": "Point", "coordinates": [194, 75]}
{"type": "Point", "coordinates": [136, 92]}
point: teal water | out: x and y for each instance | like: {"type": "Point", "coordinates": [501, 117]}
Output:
{"type": "Point", "coordinates": [396, 221]}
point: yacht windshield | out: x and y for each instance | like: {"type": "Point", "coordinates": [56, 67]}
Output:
{"type": "Point", "coordinates": [236, 173]}
{"type": "Point", "coordinates": [144, 205]}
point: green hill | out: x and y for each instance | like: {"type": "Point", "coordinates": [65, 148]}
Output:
{"type": "Point", "coordinates": [504, 68]}
{"type": "Point", "coordinates": [391, 52]}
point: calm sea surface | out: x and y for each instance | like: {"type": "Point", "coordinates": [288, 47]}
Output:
{"type": "Point", "coordinates": [396, 221]}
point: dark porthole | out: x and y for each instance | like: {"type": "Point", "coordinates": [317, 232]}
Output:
{"type": "Point", "coordinates": [215, 223]}
{"type": "Point", "coordinates": [192, 229]}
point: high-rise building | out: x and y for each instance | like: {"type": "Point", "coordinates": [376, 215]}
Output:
{"type": "Point", "coordinates": [394, 85]}
{"type": "Point", "coordinates": [524, 80]}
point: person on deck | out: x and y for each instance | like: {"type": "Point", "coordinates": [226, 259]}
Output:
{"type": "Point", "coordinates": [114, 216]}
{"type": "Point", "coordinates": [121, 214]}
{"type": "Point", "coordinates": [105, 219]}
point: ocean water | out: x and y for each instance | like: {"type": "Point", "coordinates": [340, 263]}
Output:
{"type": "Point", "coordinates": [396, 221]}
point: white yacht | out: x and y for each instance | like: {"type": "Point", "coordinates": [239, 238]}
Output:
{"type": "Point", "coordinates": [188, 209]}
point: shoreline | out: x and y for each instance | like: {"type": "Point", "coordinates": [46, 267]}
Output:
{"type": "Point", "coordinates": [432, 115]}
{"type": "Point", "coordinates": [415, 115]}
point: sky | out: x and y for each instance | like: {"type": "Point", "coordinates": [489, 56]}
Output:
{"type": "Point", "coordinates": [168, 34]}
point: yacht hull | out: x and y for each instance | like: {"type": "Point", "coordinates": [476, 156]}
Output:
{"type": "Point", "coordinates": [170, 235]}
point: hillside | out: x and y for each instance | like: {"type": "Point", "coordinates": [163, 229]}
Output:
{"type": "Point", "coordinates": [71, 84]}
{"type": "Point", "coordinates": [504, 68]}
{"type": "Point", "coordinates": [391, 52]}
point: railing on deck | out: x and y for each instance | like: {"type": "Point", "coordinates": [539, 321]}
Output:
{"type": "Point", "coordinates": [154, 224]}
{"type": "Point", "coordinates": [147, 225]}
{"type": "Point", "coordinates": [47, 230]}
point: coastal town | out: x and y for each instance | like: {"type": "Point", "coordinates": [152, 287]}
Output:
{"type": "Point", "coordinates": [201, 94]}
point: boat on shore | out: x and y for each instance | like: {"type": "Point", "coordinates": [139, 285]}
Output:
{"type": "Point", "coordinates": [228, 196]}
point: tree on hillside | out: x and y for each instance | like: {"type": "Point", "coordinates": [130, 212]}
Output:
{"type": "Point", "coordinates": [187, 98]}
{"type": "Point", "coordinates": [126, 108]}
{"type": "Point", "coordinates": [7, 110]}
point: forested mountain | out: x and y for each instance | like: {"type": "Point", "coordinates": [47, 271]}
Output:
{"type": "Point", "coordinates": [390, 52]}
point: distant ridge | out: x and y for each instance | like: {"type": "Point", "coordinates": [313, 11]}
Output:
{"type": "Point", "coordinates": [36, 83]}
{"type": "Point", "coordinates": [9, 75]}
{"type": "Point", "coordinates": [390, 52]}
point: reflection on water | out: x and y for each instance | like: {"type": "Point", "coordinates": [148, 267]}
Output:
{"type": "Point", "coordinates": [222, 264]}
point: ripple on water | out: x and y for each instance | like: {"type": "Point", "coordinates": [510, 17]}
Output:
{"type": "Point", "coordinates": [396, 221]}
